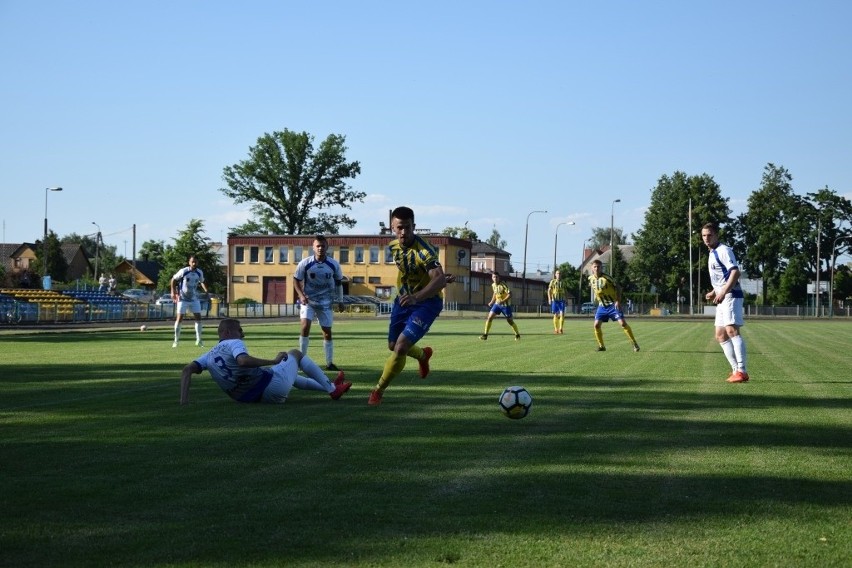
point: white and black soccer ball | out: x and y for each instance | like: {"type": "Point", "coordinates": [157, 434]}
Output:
{"type": "Point", "coordinates": [515, 402]}
{"type": "Point", "coordinates": [143, 327]}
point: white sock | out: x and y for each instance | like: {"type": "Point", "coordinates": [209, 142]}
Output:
{"type": "Point", "coordinates": [329, 351]}
{"type": "Point", "coordinates": [177, 331]}
{"type": "Point", "coordinates": [312, 370]}
{"type": "Point", "coordinates": [739, 351]}
{"type": "Point", "coordinates": [303, 344]}
{"type": "Point", "coordinates": [728, 349]}
{"type": "Point", "coordinates": [198, 331]}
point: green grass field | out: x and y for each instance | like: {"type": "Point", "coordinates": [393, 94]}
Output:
{"type": "Point", "coordinates": [627, 459]}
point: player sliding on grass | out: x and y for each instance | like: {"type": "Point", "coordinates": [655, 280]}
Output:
{"type": "Point", "coordinates": [419, 302]}
{"type": "Point", "coordinates": [249, 379]}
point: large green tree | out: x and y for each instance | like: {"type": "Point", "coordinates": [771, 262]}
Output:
{"type": "Point", "coordinates": [193, 242]}
{"type": "Point", "coordinates": [292, 187]}
{"type": "Point", "coordinates": [460, 233]}
{"type": "Point", "coordinates": [661, 260]}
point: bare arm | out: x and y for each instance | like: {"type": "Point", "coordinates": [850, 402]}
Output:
{"type": "Point", "coordinates": [436, 283]}
{"type": "Point", "coordinates": [185, 380]}
{"type": "Point", "coordinates": [733, 278]}
{"type": "Point", "coordinates": [300, 291]}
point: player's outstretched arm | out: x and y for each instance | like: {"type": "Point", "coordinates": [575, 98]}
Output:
{"type": "Point", "coordinates": [186, 379]}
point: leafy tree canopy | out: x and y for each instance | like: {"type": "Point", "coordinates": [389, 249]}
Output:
{"type": "Point", "coordinates": [461, 233]}
{"type": "Point", "coordinates": [292, 187]}
{"type": "Point", "coordinates": [192, 242]}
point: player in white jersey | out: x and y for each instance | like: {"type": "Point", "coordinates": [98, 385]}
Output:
{"type": "Point", "coordinates": [184, 288]}
{"type": "Point", "coordinates": [249, 379]}
{"type": "Point", "coordinates": [319, 283]}
{"type": "Point", "coordinates": [727, 294]}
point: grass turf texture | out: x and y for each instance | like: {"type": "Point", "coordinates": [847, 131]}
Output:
{"type": "Point", "coordinates": [627, 459]}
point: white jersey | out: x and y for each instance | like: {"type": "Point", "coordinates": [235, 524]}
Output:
{"type": "Point", "coordinates": [720, 262]}
{"type": "Point", "coordinates": [320, 280]}
{"type": "Point", "coordinates": [245, 384]}
{"type": "Point", "coordinates": [189, 279]}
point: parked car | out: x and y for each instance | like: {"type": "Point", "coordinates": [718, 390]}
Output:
{"type": "Point", "coordinates": [165, 300]}
{"type": "Point", "coordinates": [588, 308]}
{"type": "Point", "coordinates": [139, 295]}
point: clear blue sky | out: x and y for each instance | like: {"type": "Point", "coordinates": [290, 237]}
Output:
{"type": "Point", "coordinates": [472, 112]}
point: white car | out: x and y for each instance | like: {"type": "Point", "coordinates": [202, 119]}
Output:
{"type": "Point", "coordinates": [165, 300]}
{"type": "Point", "coordinates": [139, 295]}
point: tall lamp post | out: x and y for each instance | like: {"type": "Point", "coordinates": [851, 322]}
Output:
{"type": "Point", "coordinates": [580, 283]}
{"type": "Point", "coordinates": [526, 235]}
{"type": "Point", "coordinates": [97, 248]}
{"type": "Point", "coordinates": [556, 239]}
{"type": "Point", "coordinates": [831, 284]}
{"type": "Point", "coordinates": [44, 241]}
{"type": "Point", "coordinates": [611, 232]}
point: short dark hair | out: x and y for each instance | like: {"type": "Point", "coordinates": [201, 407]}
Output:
{"type": "Point", "coordinates": [597, 261]}
{"type": "Point", "coordinates": [403, 212]}
{"type": "Point", "coordinates": [714, 227]}
{"type": "Point", "coordinates": [320, 238]}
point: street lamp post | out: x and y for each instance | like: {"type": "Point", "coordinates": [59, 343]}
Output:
{"type": "Point", "coordinates": [831, 283]}
{"type": "Point", "coordinates": [611, 231]}
{"type": "Point", "coordinates": [44, 242]}
{"type": "Point", "coordinates": [97, 247]}
{"type": "Point", "coordinates": [556, 239]}
{"type": "Point", "coordinates": [526, 235]}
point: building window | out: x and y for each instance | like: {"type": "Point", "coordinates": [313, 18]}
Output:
{"type": "Point", "coordinates": [237, 279]}
{"type": "Point", "coordinates": [253, 255]}
{"type": "Point", "coordinates": [329, 252]}
{"type": "Point", "coordinates": [388, 256]}
{"type": "Point", "coordinates": [239, 255]}
{"type": "Point", "coordinates": [374, 254]}
{"type": "Point", "coordinates": [267, 255]}
{"type": "Point", "coordinates": [357, 279]}
{"type": "Point", "coordinates": [283, 254]}
{"type": "Point", "coordinates": [375, 279]}
{"type": "Point", "coordinates": [359, 255]}
{"type": "Point", "coordinates": [297, 254]}
{"type": "Point", "coordinates": [384, 292]}
{"type": "Point", "coordinates": [344, 255]}
{"type": "Point", "coordinates": [252, 279]}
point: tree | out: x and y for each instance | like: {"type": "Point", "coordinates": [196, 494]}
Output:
{"type": "Point", "coordinates": [765, 232]}
{"type": "Point", "coordinates": [495, 240]}
{"type": "Point", "coordinates": [193, 242]}
{"type": "Point", "coordinates": [153, 251]}
{"type": "Point", "coordinates": [287, 182]}
{"type": "Point", "coordinates": [662, 246]}
{"type": "Point", "coordinates": [57, 266]}
{"type": "Point", "coordinates": [600, 237]}
{"type": "Point", "coordinates": [461, 233]}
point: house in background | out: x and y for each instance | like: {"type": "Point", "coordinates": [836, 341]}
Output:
{"type": "Point", "coordinates": [19, 261]}
{"type": "Point", "coordinates": [145, 274]}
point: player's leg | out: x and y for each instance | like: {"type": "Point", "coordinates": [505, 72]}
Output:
{"type": "Point", "coordinates": [395, 363]}
{"type": "Point", "coordinates": [198, 327]}
{"type": "Point", "coordinates": [507, 311]}
{"type": "Point", "coordinates": [325, 319]}
{"type": "Point", "coordinates": [599, 335]}
{"type": "Point", "coordinates": [306, 316]}
{"type": "Point", "coordinates": [178, 316]}
{"type": "Point", "coordinates": [628, 331]}
{"type": "Point", "coordinates": [489, 319]}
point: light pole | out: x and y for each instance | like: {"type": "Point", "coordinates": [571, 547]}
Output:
{"type": "Point", "coordinates": [97, 248]}
{"type": "Point", "coordinates": [831, 283]}
{"type": "Point", "coordinates": [556, 239]}
{"type": "Point", "coordinates": [44, 243]}
{"type": "Point", "coordinates": [580, 283]}
{"type": "Point", "coordinates": [526, 234]}
{"type": "Point", "coordinates": [611, 232]}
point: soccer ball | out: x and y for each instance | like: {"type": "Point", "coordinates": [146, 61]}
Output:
{"type": "Point", "coordinates": [143, 327]}
{"type": "Point", "coordinates": [515, 402]}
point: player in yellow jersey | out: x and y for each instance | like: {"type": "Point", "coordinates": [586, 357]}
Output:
{"type": "Point", "coordinates": [556, 291]}
{"type": "Point", "coordinates": [608, 295]}
{"type": "Point", "coordinates": [420, 281]}
{"type": "Point", "coordinates": [501, 303]}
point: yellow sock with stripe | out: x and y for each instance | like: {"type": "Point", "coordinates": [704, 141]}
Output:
{"type": "Point", "coordinates": [599, 336]}
{"type": "Point", "coordinates": [629, 333]}
{"type": "Point", "coordinates": [488, 326]}
{"type": "Point", "coordinates": [515, 327]}
{"type": "Point", "coordinates": [393, 366]}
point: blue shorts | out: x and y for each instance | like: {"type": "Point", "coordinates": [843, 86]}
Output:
{"type": "Point", "coordinates": [606, 313]}
{"type": "Point", "coordinates": [505, 310]}
{"type": "Point", "coordinates": [413, 321]}
{"type": "Point", "coordinates": [557, 306]}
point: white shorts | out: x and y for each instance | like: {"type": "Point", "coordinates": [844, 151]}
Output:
{"type": "Point", "coordinates": [187, 306]}
{"type": "Point", "coordinates": [729, 312]}
{"type": "Point", "coordinates": [283, 377]}
{"type": "Point", "coordinates": [324, 316]}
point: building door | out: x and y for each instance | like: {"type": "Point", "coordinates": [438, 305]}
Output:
{"type": "Point", "coordinates": [275, 290]}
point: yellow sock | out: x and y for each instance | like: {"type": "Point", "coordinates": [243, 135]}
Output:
{"type": "Point", "coordinates": [599, 335]}
{"type": "Point", "coordinates": [393, 366]}
{"type": "Point", "coordinates": [561, 322]}
{"type": "Point", "coordinates": [515, 327]}
{"type": "Point", "coordinates": [629, 333]}
{"type": "Point", "coordinates": [415, 352]}
{"type": "Point", "coordinates": [555, 323]}
{"type": "Point", "coordinates": [488, 326]}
